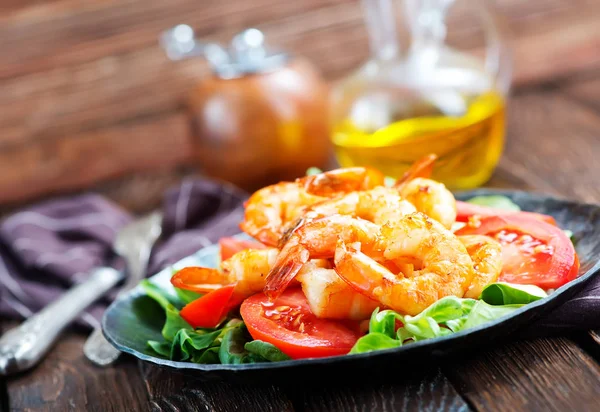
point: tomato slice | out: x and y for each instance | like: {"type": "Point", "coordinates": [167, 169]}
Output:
{"type": "Point", "coordinates": [210, 310]}
{"type": "Point", "coordinates": [289, 324]}
{"type": "Point", "coordinates": [230, 246]}
{"type": "Point", "coordinates": [534, 252]}
{"type": "Point", "coordinates": [466, 211]}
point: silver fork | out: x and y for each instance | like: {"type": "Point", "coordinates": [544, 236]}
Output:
{"type": "Point", "coordinates": [24, 346]}
{"type": "Point", "coordinates": [134, 243]}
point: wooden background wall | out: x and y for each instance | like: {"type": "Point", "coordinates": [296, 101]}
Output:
{"type": "Point", "coordinates": [88, 99]}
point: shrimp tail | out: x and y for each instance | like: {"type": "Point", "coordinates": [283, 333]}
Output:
{"type": "Point", "coordinates": [341, 181]}
{"type": "Point", "coordinates": [291, 260]}
{"type": "Point", "coordinates": [357, 269]}
{"type": "Point", "coordinates": [289, 231]}
{"type": "Point", "coordinates": [421, 168]}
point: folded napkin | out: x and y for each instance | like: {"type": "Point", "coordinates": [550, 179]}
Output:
{"type": "Point", "coordinates": [51, 246]}
{"type": "Point", "coordinates": [47, 248]}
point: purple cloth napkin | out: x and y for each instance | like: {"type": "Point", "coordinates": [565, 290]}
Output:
{"type": "Point", "coordinates": [48, 247]}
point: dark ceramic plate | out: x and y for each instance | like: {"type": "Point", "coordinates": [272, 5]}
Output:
{"type": "Point", "coordinates": [134, 318]}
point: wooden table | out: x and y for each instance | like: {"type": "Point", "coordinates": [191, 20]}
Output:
{"type": "Point", "coordinates": [553, 146]}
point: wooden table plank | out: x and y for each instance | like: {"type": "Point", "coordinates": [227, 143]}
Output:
{"type": "Point", "coordinates": [80, 161]}
{"type": "Point", "coordinates": [543, 374]}
{"type": "Point", "coordinates": [585, 89]}
{"type": "Point", "coordinates": [66, 381]}
{"type": "Point", "coordinates": [406, 392]}
{"type": "Point", "coordinates": [545, 124]}
{"type": "Point", "coordinates": [170, 390]}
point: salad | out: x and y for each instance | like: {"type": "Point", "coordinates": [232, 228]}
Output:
{"type": "Point", "coordinates": [349, 261]}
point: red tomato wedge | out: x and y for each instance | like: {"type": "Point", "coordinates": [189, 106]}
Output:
{"type": "Point", "coordinates": [465, 210]}
{"type": "Point", "coordinates": [534, 252]}
{"type": "Point", "coordinates": [289, 324]}
{"type": "Point", "coordinates": [230, 246]}
{"type": "Point", "coordinates": [210, 310]}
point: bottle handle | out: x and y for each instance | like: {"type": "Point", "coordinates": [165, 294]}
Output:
{"type": "Point", "coordinates": [381, 27]}
{"type": "Point", "coordinates": [427, 22]}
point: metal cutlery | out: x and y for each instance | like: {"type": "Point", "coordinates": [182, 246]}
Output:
{"type": "Point", "coordinates": [134, 243]}
{"type": "Point", "coordinates": [24, 346]}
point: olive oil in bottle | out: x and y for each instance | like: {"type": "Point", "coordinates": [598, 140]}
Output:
{"type": "Point", "coordinates": [418, 95]}
{"type": "Point", "coordinates": [468, 145]}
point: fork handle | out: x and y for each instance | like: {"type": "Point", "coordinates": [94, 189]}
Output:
{"type": "Point", "coordinates": [99, 350]}
{"type": "Point", "coordinates": [96, 348]}
{"type": "Point", "coordinates": [23, 346]}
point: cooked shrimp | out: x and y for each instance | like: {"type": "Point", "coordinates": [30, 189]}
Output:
{"type": "Point", "coordinates": [379, 205]}
{"type": "Point", "coordinates": [246, 269]}
{"type": "Point", "coordinates": [340, 181]}
{"type": "Point", "coordinates": [486, 254]}
{"type": "Point", "coordinates": [432, 198]}
{"type": "Point", "coordinates": [329, 296]}
{"type": "Point", "coordinates": [315, 240]}
{"type": "Point", "coordinates": [270, 208]}
{"type": "Point", "coordinates": [442, 266]}
{"type": "Point", "coordinates": [428, 196]}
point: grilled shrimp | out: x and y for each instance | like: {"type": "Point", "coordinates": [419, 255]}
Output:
{"type": "Point", "coordinates": [432, 198]}
{"type": "Point", "coordinates": [428, 196]}
{"type": "Point", "coordinates": [246, 269]}
{"type": "Point", "coordinates": [379, 205]}
{"type": "Point", "coordinates": [486, 254]}
{"type": "Point", "coordinates": [433, 262]}
{"type": "Point", "coordinates": [340, 181]}
{"type": "Point", "coordinates": [270, 208]}
{"type": "Point", "coordinates": [316, 240]}
{"type": "Point", "coordinates": [329, 296]}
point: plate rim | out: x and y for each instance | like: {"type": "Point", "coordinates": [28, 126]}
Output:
{"type": "Point", "coordinates": [270, 366]}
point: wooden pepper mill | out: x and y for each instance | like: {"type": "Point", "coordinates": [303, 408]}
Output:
{"type": "Point", "coordinates": [260, 117]}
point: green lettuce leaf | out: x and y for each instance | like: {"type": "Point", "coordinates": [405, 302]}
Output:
{"type": "Point", "coordinates": [484, 313]}
{"type": "Point", "coordinates": [266, 350]}
{"type": "Point", "coordinates": [447, 308]}
{"type": "Point", "coordinates": [161, 348]}
{"type": "Point", "coordinates": [375, 341]}
{"type": "Point", "coordinates": [187, 342]}
{"type": "Point", "coordinates": [313, 171]}
{"type": "Point", "coordinates": [502, 293]}
{"type": "Point", "coordinates": [383, 322]}
{"type": "Point", "coordinates": [209, 355]}
{"type": "Point", "coordinates": [161, 297]}
{"type": "Point", "coordinates": [174, 323]}
{"type": "Point", "coordinates": [232, 349]}
{"type": "Point", "coordinates": [495, 201]}
{"type": "Point", "coordinates": [444, 317]}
